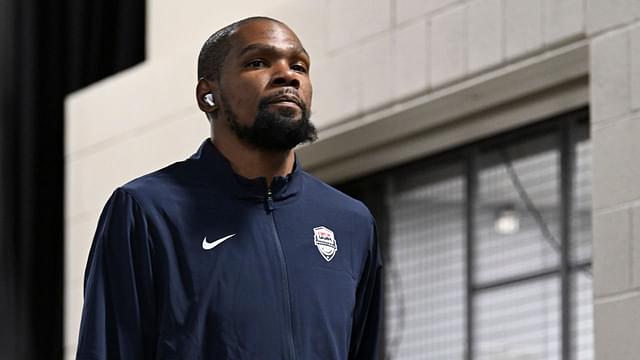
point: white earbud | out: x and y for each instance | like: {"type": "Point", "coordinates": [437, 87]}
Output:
{"type": "Point", "coordinates": [208, 98]}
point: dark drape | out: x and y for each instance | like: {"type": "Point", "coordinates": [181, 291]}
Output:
{"type": "Point", "coordinates": [47, 49]}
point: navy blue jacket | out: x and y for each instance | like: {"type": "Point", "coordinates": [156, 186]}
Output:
{"type": "Point", "coordinates": [195, 262]}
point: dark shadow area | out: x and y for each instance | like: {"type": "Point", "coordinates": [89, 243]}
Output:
{"type": "Point", "coordinates": [48, 49]}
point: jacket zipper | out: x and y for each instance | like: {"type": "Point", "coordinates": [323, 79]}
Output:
{"type": "Point", "coordinates": [283, 268]}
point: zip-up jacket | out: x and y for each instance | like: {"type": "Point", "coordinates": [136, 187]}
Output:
{"type": "Point", "coordinates": [194, 262]}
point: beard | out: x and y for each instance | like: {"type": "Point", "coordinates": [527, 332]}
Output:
{"type": "Point", "coordinates": [274, 130]}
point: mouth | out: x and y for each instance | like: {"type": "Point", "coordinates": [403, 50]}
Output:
{"type": "Point", "coordinates": [286, 100]}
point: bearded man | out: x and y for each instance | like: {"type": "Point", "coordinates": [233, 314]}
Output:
{"type": "Point", "coordinates": [237, 252]}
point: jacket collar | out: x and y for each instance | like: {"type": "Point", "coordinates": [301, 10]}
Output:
{"type": "Point", "coordinates": [216, 170]}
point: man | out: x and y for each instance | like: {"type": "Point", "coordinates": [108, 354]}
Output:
{"type": "Point", "coordinates": [236, 252]}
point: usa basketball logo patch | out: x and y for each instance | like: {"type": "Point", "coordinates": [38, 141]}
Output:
{"type": "Point", "coordinates": [325, 242]}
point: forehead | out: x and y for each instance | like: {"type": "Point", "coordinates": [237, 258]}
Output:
{"type": "Point", "coordinates": [265, 32]}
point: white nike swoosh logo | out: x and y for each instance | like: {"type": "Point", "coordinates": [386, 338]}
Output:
{"type": "Point", "coordinates": [210, 245]}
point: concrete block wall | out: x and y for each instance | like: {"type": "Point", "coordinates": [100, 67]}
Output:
{"type": "Point", "coordinates": [367, 56]}
{"type": "Point", "coordinates": [421, 46]}
{"type": "Point", "coordinates": [614, 31]}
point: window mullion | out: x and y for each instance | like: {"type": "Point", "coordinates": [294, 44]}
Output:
{"type": "Point", "coordinates": [471, 192]}
{"type": "Point", "coordinates": [566, 187]}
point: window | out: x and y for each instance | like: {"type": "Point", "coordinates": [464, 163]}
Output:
{"type": "Point", "coordinates": [487, 248]}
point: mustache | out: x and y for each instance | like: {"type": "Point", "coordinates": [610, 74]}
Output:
{"type": "Point", "coordinates": [288, 93]}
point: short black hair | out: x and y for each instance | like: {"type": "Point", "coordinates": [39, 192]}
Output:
{"type": "Point", "coordinates": [217, 46]}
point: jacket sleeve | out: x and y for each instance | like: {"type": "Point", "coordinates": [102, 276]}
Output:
{"type": "Point", "coordinates": [118, 312]}
{"type": "Point", "coordinates": [368, 312]}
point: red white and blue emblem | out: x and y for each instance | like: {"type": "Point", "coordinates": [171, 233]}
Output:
{"type": "Point", "coordinates": [325, 242]}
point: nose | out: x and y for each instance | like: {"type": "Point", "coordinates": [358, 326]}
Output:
{"type": "Point", "coordinates": [285, 76]}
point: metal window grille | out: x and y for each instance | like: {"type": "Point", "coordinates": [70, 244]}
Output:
{"type": "Point", "coordinates": [426, 304]}
{"type": "Point", "coordinates": [487, 248]}
{"type": "Point", "coordinates": [520, 184]}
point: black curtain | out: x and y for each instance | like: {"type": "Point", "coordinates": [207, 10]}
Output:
{"type": "Point", "coordinates": [47, 50]}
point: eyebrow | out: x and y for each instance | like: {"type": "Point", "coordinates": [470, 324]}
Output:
{"type": "Point", "coordinates": [271, 48]}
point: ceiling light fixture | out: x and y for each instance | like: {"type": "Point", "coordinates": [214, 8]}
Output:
{"type": "Point", "coordinates": [507, 221]}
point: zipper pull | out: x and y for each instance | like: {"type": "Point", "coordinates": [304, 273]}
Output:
{"type": "Point", "coordinates": [269, 200]}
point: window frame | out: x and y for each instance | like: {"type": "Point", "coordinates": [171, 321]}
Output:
{"type": "Point", "coordinates": [569, 128]}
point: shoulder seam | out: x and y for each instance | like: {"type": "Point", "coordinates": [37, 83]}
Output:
{"type": "Point", "coordinates": [145, 216]}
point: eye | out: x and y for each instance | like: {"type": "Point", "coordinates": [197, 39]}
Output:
{"type": "Point", "coordinates": [257, 63]}
{"type": "Point", "coordinates": [299, 68]}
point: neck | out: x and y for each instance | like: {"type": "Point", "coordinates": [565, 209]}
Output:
{"type": "Point", "coordinates": [250, 162]}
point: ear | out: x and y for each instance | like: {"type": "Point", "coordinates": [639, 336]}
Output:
{"type": "Point", "coordinates": [203, 88]}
